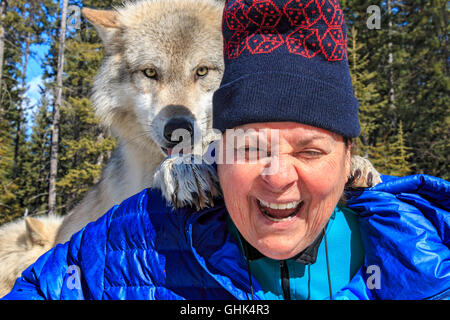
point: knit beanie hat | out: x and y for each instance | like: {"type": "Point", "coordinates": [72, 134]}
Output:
{"type": "Point", "coordinates": [286, 61]}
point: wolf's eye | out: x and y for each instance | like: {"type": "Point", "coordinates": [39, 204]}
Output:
{"type": "Point", "coordinates": [150, 73]}
{"type": "Point", "coordinates": [202, 71]}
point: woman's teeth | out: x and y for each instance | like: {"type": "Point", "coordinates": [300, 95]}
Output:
{"type": "Point", "coordinates": [280, 206]}
{"type": "Point", "coordinates": [278, 212]}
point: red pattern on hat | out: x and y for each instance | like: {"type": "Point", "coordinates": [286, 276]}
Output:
{"type": "Point", "coordinates": [318, 28]}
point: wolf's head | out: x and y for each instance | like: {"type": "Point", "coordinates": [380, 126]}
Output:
{"type": "Point", "coordinates": [21, 243]}
{"type": "Point", "coordinates": [163, 63]}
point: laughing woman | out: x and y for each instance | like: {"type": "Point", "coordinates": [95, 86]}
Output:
{"type": "Point", "coordinates": [276, 234]}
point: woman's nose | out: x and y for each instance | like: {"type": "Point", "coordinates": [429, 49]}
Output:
{"type": "Point", "coordinates": [279, 175]}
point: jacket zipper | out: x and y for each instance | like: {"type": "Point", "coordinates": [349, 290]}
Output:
{"type": "Point", "coordinates": [285, 280]}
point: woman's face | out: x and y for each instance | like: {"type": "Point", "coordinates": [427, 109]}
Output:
{"type": "Point", "coordinates": [281, 210]}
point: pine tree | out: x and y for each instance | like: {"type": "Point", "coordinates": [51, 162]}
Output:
{"type": "Point", "coordinates": [85, 144]}
{"type": "Point", "coordinates": [9, 112]}
{"type": "Point", "coordinates": [391, 155]}
{"type": "Point", "coordinates": [24, 24]}
{"type": "Point", "coordinates": [37, 164]}
{"type": "Point", "coordinates": [409, 56]}
{"type": "Point", "coordinates": [402, 165]}
{"type": "Point", "coordinates": [31, 24]}
{"type": "Point", "coordinates": [423, 99]}
{"type": "Point", "coordinates": [370, 103]}
{"type": "Point", "coordinates": [8, 207]}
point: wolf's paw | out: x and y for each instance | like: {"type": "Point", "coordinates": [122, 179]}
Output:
{"type": "Point", "coordinates": [362, 174]}
{"type": "Point", "coordinates": [187, 181]}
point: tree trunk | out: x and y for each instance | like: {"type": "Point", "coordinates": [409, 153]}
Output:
{"type": "Point", "coordinates": [3, 7]}
{"type": "Point", "coordinates": [56, 113]}
{"type": "Point", "coordinates": [445, 36]}
{"type": "Point", "coordinates": [392, 107]}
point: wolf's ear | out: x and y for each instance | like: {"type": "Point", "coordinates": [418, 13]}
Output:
{"type": "Point", "coordinates": [105, 21]}
{"type": "Point", "coordinates": [36, 231]}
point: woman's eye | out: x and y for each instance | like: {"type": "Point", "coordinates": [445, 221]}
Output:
{"type": "Point", "coordinates": [150, 73]}
{"type": "Point", "coordinates": [202, 71]}
{"type": "Point", "coordinates": [310, 153]}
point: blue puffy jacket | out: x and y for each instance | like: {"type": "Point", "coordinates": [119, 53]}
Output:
{"type": "Point", "coordinates": [142, 249]}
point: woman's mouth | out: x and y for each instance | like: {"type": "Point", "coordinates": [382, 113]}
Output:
{"type": "Point", "coordinates": [279, 212]}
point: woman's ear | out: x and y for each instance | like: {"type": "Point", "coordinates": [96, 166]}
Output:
{"type": "Point", "coordinates": [348, 159]}
{"type": "Point", "coordinates": [105, 21]}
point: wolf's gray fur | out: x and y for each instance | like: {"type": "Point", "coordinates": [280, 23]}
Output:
{"type": "Point", "coordinates": [21, 242]}
{"type": "Point", "coordinates": [174, 39]}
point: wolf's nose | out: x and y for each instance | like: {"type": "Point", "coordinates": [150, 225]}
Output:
{"type": "Point", "coordinates": [177, 123]}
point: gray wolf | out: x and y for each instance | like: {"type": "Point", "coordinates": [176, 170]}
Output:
{"type": "Point", "coordinates": [163, 63]}
{"type": "Point", "coordinates": [21, 242]}
{"type": "Point", "coordinates": [164, 60]}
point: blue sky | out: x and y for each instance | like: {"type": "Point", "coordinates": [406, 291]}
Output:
{"type": "Point", "coordinates": [35, 70]}
{"type": "Point", "coordinates": [34, 79]}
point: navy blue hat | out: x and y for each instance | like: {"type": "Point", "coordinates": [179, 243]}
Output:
{"type": "Point", "coordinates": [286, 61]}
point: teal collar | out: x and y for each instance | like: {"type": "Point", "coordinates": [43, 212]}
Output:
{"type": "Point", "coordinates": [308, 256]}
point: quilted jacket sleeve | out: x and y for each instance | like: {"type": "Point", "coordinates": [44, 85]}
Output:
{"type": "Point", "coordinates": [405, 228]}
{"type": "Point", "coordinates": [58, 274]}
